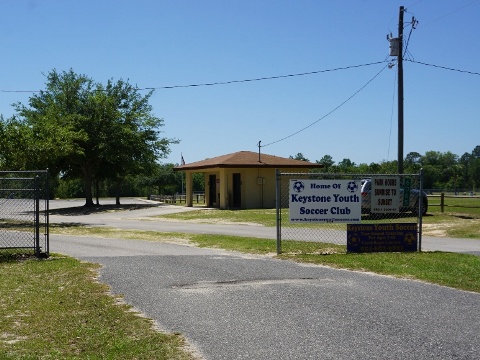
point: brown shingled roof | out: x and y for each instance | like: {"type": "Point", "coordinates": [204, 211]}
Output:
{"type": "Point", "coordinates": [248, 159]}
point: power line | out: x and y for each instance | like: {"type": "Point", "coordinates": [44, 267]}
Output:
{"type": "Point", "coordinates": [266, 78]}
{"type": "Point", "coordinates": [20, 91]}
{"type": "Point", "coordinates": [263, 78]}
{"type": "Point", "coordinates": [329, 113]}
{"type": "Point", "coordinates": [230, 81]}
{"type": "Point", "coordinates": [444, 67]}
{"type": "Point", "coordinates": [451, 12]}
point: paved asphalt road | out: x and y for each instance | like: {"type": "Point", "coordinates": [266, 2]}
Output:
{"type": "Point", "coordinates": [234, 306]}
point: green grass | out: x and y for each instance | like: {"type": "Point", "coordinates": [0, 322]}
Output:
{"type": "Point", "coordinates": [55, 309]}
{"type": "Point", "coordinates": [463, 205]}
{"type": "Point", "coordinates": [264, 217]}
{"type": "Point", "coordinates": [263, 246]}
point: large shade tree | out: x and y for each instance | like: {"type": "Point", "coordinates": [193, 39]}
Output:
{"type": "Point", "coordinates": [13, 138]}
{"type": "Point", "coordinates": [83, 129]}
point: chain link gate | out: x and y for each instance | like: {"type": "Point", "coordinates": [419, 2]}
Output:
{"type": "Point", "coordinates": [24, 202]}
{"type": "Point", "coordinates": [326, 207]}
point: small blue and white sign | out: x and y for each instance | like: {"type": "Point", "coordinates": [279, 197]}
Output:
{"type": "Point", "coordinates": [325, 201]}
{"type": "Point", "coordinates": [392, 237]}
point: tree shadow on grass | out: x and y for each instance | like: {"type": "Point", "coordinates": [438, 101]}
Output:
{"type": "Point", "coordinates": [66, 225]}
{"type": "Point", "coordinates": [464, 217]}
{"type": "Point", "coordinates": [16, 255]}
{"type": "Point", "coordinates": [96, 209]}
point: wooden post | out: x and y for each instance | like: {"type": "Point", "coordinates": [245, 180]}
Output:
{"type": "Point", "coordinates": [400, 90]}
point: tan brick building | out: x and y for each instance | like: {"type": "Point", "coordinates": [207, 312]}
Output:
{"type": "Point", "coordinates": [241, 180]}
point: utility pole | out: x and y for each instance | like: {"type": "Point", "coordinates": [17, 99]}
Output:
{"type": "Point", "coordinates": [400, 90]}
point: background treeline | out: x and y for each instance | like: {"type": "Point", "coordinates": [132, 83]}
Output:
{"type": "Point", "coordinates": [162, 181]}
{"type": "Point", "coordinates": [442, 171]}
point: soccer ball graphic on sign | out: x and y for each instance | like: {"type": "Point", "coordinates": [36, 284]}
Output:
{"type": "Point", "coordinates": [352, 186]}
{"type": "Point", "coordinates": [298, 186]}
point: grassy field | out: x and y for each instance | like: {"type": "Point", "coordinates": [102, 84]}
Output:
{"type": "Point", "coordinates": [55, 308]}
{"type": "Point", "coordinates": [460, 218]}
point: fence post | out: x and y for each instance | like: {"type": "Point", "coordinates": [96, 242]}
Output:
{"type": "Point", "coordinates": [37, 215]}
{"type": "Point", "coordinates": [278, 204]}
{"type": "Point", "coordinates": [442, 202]}
{"type": "Point", "coordinates": [420, 210]}
{"type": "Point", "coordinates": [46, 184]}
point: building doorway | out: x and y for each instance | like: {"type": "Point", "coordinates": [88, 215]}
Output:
{"type": "Point", "coordinates": [212, 190]}
{"type": "Point", "coordinates": [237, 190]}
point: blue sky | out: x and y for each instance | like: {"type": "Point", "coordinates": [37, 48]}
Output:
{"type": "Point", "coordinates": [160, 43]}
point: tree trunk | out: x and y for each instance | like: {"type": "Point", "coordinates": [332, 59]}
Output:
{"type": "Point", "coordinates": [117, 192]}
{"type": "Point", "coordinates": [97, 191]}
{"type": "Point", "coordinates": [87, 180]}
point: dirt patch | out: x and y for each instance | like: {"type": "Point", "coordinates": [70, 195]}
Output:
{"type": "Point", "coordinates": [439, 229]}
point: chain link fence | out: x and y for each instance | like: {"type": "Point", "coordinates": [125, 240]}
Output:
{"type": "Point", "coordinates": [24, 212]}
{"type": "Point", "coordinates": [364, 212]}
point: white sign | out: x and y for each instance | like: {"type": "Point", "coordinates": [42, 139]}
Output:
{"type": "Point", "coordinates": [385, 194]}
{"type": "Point", "coordinates": [325, 201]}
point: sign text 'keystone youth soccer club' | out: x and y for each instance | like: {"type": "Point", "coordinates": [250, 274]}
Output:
{"type": "Point", "coordinates": [324, 201]}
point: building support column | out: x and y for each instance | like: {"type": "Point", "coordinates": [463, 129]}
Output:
{"type": "Point", "coordinates": [189, 188]}
{"type": "Point", "coordinates": [223, 189]}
